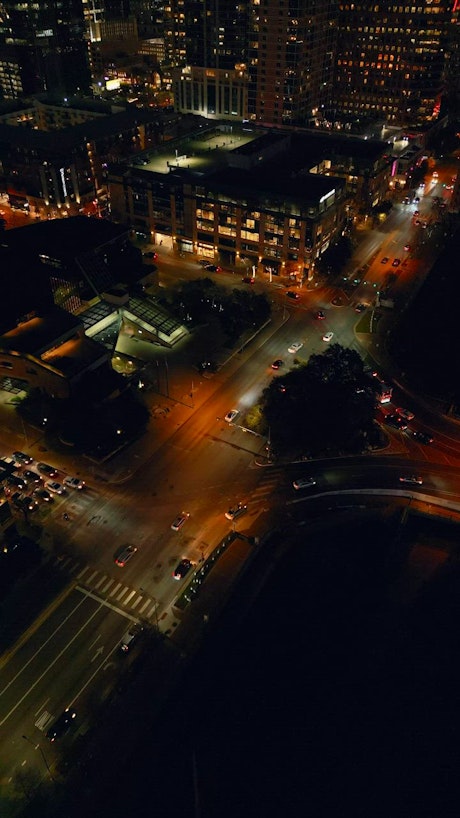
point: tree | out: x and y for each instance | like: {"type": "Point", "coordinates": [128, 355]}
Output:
{"type": "Point", "coordinates": [327, 404]}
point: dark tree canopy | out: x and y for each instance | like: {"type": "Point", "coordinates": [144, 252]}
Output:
{"type": "Point", "coordinates": [326, 405]}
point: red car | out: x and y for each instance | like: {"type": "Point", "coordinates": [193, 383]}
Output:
{"type": "Point", "coordinates": [247, 280]}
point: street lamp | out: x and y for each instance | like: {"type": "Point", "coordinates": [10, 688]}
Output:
{"type": "Point", "coordinates": [38, 747]}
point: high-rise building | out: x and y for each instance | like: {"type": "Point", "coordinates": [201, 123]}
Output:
{"type": "Point", "coordinates": [46, 44]}
{"type": "Point", "coordinates": [390, 60]}
{"type": "Point", "coordinates": [290, 59]}
{"type": "Point", "coordinates": [216, 33]}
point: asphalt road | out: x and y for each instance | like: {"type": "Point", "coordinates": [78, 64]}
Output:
{"type": "Point", "coordinates": [200, 465]}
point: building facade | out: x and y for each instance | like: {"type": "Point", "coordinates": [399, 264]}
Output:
{"type": "Point", "coordinates": [390, 61]}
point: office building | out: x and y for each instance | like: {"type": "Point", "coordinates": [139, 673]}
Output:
{"type": "Point", "coordinates": [390, 61]}
{"type": "Point", "coordinates": [45, 45]}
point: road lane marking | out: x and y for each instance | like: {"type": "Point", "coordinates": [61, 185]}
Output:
{"type": "Point", "coordinates": [83, 572]}
{"type": "Point", "coordinates": [101, 665]}
{"type": "Point", "coordinates": [42, 706]}
{"type": "Point", "coordinates": [130, 596]}
{"type": "Point", "coordinates": [136, 603]}
{"type": "Point", "coordinates": [152, 609]}
{"type": "Point", "coordinates": [94, 574]}
{"type": "Point", "coordinates": [98, 585]}
{"type": "Point", "coordinates": [107, 585]}
{"type": "Point", "coordinates": [95, 642]}
{"type": "Point", "coordinates": [122, 593]}
{"type": "Point", "coordinates": [115, 589]}
{"type": "Point", "coordinates": [106, 603]}
{"type": "Point", "coordinates": [64, 621]}
{"type": "Point", "coordinates": [56, 659]}
{"type": "Point", "coordinates": [145, 605]}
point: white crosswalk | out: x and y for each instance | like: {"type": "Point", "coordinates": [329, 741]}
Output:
{"type": "Point", "coordinates": [108, 588]}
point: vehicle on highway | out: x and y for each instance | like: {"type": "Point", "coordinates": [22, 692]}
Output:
{"type": "Point", "coordinates": [385, 260]}
{"type": "Point", "coordinates": [396, 262]}
{"type": "Point", "coordinates": [405, 413]}
{"type": "Point", "coordinates": [304, 483]}
{"type": "Point", "coordinates": [248, 280]}
{"type": "Point", "coordinates": [32, 476]}
{"type": "Point", "coordinates": [131, 635]}
{"type": "Point", "coordinates": [276, 364]}
{"type": "Point", "coordinates": [328, 336]}
{"type": "Point", "coordinates": [23, 458]}
{"type": "Point", "coordinates": [182, 569]}
{"type": "Point", "coordinates": [44, 495]}
{"type": "Point", "coordinates": [422, 437]}
{"type": "Point", "coordinates": [56, 488]}
{"type": "Point", "coordinates": [320, 315]}
{"type": "Point", "coordinates": [74, 483]}
{"type": "Point", "coordinates": [180, 520]}
{"type": "Point", "coordinates": [361, 307]}
{"type": "Point", "coordinates": [62, 724]}
{"type": "Point", "coordinates": [411, 479]}
{"type": "Point", "coordinates": [291, 294]}
{"type": "Point", "coordinates": [123, 556]}
{"type": "Point", "coordinates": [396, 422]}
{"type": "Point", "coordinates": [295, 347]}
{"type": "Point", "coordinates": [231, 416]}
{"type": "Point", "coordinates": [236, 511]}
{"type": "Point", "coordinates": [45, 468]}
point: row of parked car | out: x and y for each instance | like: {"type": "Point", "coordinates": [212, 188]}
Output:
{"type": "Point", "coordinates": [25, 486]}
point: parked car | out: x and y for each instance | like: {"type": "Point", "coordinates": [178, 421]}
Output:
{"type": "Point", "coordinates": [304, 483]}
{"type": "Point", "coordinates": [62, 725]}
{"type": "Point", "coordinates": [231, 415]}
{"type": "Point", "coordinates": [45, 468]}
{"type": "Point", "coordinates": [123, 556]}
{"type": "Point", "coordinates": [44, 495]}
{"type": "Point", "coordinates": [23, 458]}
{"type": "Point", "coordinates": [56, 488]}
{"type": "Point", "coordinates": [16, 481]}
{"type": "Point", "coordinates": [74, 482]}
{"type": "Point", "coordinates": [236, 511]}
{"type": "Point", "coordinates": [411, 479]}
{"type": "Point", "coordinates": [180, 520]}
{"type": "Point", "coordinates": [32, 476]}
{"type": "Point", "coordinates": [405, 413]}
{"type": "Point", "coordinates": [150, 254]}
{"type": "Point", "coordinates": [182, 569]}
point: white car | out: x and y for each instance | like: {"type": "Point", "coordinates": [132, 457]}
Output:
{"type": "Point", "coordinates": [412, 480]}
{"type": "Point", "coordinates": [328, 336]}
{"type": "Point", "coordinates": [237, 511]}
{"type": "Point", "coordinates": [56, 488]}
{"type": "Point", "coordinates": [295, 347]}
{"type": "Point", "coordinates": [180, 520]}
{"type": "Point", "coordinates": [231, 416]}
{"type": "Point", "coordinates": [303, 483]}
{"type": "Point", "coordinates": [74, 483]}
{"type": "Point", "coordinates": [405, 413]}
